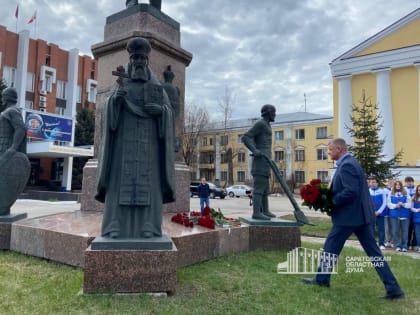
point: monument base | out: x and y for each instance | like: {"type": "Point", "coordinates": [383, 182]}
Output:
{"type": "Point", "coordinates": [154, 243]}
{"type": "Point", "coordinates": [6, 228]}
{"type": "Point", "coordinates": [87, 198]}
{"type": "Point", "coordinates": [273, 234]}
{"type": "Point", "coordinates": [130, 271]}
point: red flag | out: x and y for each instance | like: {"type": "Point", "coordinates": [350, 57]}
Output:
{"type": "Point", "coordinates": [33, 18]}
{"type": "Point", "coordinates": [17, 11]}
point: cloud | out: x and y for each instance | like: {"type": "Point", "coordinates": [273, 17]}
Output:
{"type": "Point", "coordinates": [266, 51]}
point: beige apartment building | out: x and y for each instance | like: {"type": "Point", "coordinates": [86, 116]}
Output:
{"type": "Point", "coordinates": [299, 147]}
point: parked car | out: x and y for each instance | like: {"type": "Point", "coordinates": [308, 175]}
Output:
{"type": "Point", "coordinates": [239, 191]}
{"type": "Point", "coordinates": [214, 190]}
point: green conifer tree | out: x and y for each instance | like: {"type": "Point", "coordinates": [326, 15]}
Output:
{"type": "Point", "coordinates": [84, 135]}
{"type": "Point", "coordinates": [367, 148]}
{"type": "Point", "coordinates": [3, 85]}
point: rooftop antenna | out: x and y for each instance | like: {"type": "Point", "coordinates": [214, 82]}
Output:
{"type": "Point", "coordinates": [304, 97]}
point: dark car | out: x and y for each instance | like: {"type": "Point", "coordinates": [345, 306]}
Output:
{"type": "Point", "coordinates": [214, 190]}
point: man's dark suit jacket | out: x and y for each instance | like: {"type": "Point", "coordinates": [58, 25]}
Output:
{"type": "Point", "coordinates": [353, 206]}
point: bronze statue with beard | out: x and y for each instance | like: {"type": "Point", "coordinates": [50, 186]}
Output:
{"type": "Point", "coordinates": [14, 164]}
{"type": "Point", "coordinates": [136, 172]}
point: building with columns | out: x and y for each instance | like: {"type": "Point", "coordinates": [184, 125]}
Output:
{"type": "Point", "coordinates": [299, 148]}
{"type": "Point", "coordinates": [387, 67]}
{"type": "Point", "coordinates": [52, 84]}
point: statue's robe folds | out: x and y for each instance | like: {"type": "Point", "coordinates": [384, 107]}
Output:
{"type": "Point", "coordinates": [136, 173]}
{"type": "Point", "coordinates": [14, 165]}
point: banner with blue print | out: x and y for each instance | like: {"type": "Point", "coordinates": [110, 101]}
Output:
{"type": "Point", "coordinates": [48, 127]}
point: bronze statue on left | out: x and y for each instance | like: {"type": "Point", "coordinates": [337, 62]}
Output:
{"type": "Point", "coordinates": [136, 171]}
{"type": "Point", "coordinates": [14, 164]}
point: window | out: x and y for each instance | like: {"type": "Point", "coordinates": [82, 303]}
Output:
{"type": "Point", "coordinates": [30, 82]}
{"type": "Point", "coordinates": [321, 133]}
{"type": "Point", "coordinates": [9, 76]}
{"type": "Point", "coordinates": [206, 158]}
{"type": "Point", "coordinates": [61, 89]}
{"type": "Point", "coordinates": [279, 135]}
{"type": "Point", "coordinates": [279, 155]}
{"type": "Point", "coordinates": [204, 141]}
{"type": "Point", "coordinates": [224, 140]}
{"type": "Point", "coordinates": [240, 176]}
{"type": "Point", "coordinates": [79, 94]}
{"type": "Point", "coordinates": [59, 110]}
{"type": "Point", "coordinates": [48, 78]}
{"type": "Point", "coordinates": [91, 89]}
{"type": "Point", "coordinates": [299, 155]}
{"type": "Point", "coordinates": [321, 154]}
{"type": "Point", "coordinates": [300, 134]}
{"type": "Point", "coordinates": [322, 175]}
{"type": "Point", "coordinates": [29, 104]}
{"type": "Point", "coordinates": [223, 158]}
{"type": "Point", "coordinates": [300, 176]}
{"type": "Point", "coordinates": [240, 138]}
{"type": "Point", "coordinates": [223, 175]}
{"type": "Point", "coordinates": [211, 141]}
{"type": "Point", "coordinates": [241, 157]}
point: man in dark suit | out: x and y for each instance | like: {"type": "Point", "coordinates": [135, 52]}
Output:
{"type": "Point", "coordinates": [353, 213]}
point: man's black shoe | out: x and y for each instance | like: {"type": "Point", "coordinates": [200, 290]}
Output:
{"type": "Point", "coordinates": [394, 295]}
{"type": "Point", "coordinates": [313, 281]}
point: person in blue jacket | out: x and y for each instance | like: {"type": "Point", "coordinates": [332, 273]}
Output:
{"type": "Point", "coordinates": [378, 197]}
{"type": "Point", "coordinates": [399, 205]}
{"type": "Point", "coordinates": [204, 194]}
{"type": "Point", "coordinates": [352, 213]}
{"type": "Point", "coordinates": [411, 190]}
{"type": "Point", "coordinates": [415, 208]}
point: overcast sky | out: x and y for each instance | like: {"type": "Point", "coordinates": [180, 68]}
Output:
{"type": "Point", "coordinates": [265, 51]}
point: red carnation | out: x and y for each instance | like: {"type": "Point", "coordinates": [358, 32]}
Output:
{"type": "Point", "coordinates": [315, 181]}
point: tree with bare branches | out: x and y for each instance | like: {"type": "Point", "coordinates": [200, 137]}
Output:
{"type": "Point", "coordinates": [196, 119]}
{"type": "Point", "coordinates": [226, 103]}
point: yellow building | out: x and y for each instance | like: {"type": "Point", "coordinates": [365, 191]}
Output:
{"type": "Point", "coordinates": [386, 66]}
{"type": "Point", "coordinates": [299, 148]}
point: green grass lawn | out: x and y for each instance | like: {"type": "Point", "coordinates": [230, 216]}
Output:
{"type": "Point", "coordinates": [245, 283]}
{"type": "Point", "coordinates": [321, 228]}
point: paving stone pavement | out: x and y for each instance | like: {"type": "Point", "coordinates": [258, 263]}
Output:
{"type": "Point", "coordinates": [231, 207]}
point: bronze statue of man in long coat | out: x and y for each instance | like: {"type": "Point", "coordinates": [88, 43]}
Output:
{"type": "Point", "coordinates": [136, 173]}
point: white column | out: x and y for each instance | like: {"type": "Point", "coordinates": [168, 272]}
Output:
{"type": "Point", "coordinates": [71, 86]}
{"type": "Point", "coordinates": [22, 67]}
{"type": "Point", "coordinates": [345, 103]}
{"type": "Point", "coordinates": [418, 88]}
{"type": "Point", "coordinates": [67, 173]}
{"type": "Point", "coordinates": [71, 94]}
{"type": "Point", "coordinates": [383, 90]}
{"type": "Point", "coordinates": [289, 155]}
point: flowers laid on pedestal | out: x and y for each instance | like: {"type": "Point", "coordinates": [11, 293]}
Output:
{"type": "Point", "coordinates": [209, 219]}
{"type": "Point", "coordinates": [317, 196]}
{"type": "Point", "coordinates": [182, 218]}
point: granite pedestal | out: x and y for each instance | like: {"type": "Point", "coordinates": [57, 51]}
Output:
{"type": "Point", "coordinates": [273, 234]}
{"type": "Point", "coordinates": [129, 271]}
{"type": "Point", "coordinates": [62, 237]}
{"type": "Point", "coordinates": [6, 228]}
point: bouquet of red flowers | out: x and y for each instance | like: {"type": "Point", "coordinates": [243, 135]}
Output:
{"type": "Point", "coordinates": [317, 196]}
{"type": "Point", "coordinates": [182, 218]}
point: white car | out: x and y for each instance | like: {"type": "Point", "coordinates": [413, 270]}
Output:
{"type": "Point", "coordinates": [238, 190]}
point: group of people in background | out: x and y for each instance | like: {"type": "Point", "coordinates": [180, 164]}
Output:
{"type": "Point", "coordinates": [397, 209]}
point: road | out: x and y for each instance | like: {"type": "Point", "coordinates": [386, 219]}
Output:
{"type": "Point", "coordinates": [232, 207]}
